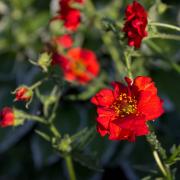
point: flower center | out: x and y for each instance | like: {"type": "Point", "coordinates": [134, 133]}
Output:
{"type": "Point", "coordinates": [125, 105]}
{"type": "Point", "coordinates": [78, 67]}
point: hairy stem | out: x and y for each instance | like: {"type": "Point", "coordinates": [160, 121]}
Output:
{"type": "Point", "coordinates": [159, 155]}
{"type": "Point", "coordinates": [36, 118]}
{"type": "Point", "coordinates": [54, 130]}
{"type": "Point", "coordinates": [107, 39]}
{"type": "Point", "coordinates": [128, 64]}
{"type": "Point", "coordinates": [70, 167]}
{"type": "Point", "coordinates": [37, 84]}
{"type": "Point", "coordinates": [164, 36]}
{"type": "Point", "coordinates": [159, 163]}
{"type": "Point", "coordinates": [165, 25]}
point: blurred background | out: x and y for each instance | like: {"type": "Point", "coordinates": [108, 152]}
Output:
{"type": "Point", "coordinates": [23, 154]}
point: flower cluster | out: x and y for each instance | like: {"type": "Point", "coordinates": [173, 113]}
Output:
{"type": "Point", "coordinates": [80, 65]}
{"type": "Point", "coordinates": [124, 111]}
{"type": "Point", "coordinates": [70, 16]}
{"type": "Point", "coordinates": [135, 24]}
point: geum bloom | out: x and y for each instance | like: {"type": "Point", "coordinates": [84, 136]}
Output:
{"type": "Point", "coordinates": [70, 16]}
{"type": "Point", "coordinates": [7, 117]}
{"type": "Point", "coordinates": [80, 65]}
{"type": "Point", "coordinates": [135, 24]}
{"type": "Point", "coordinates": [64, 41]}
{"type": "Point", "coordinates": [124, 111]}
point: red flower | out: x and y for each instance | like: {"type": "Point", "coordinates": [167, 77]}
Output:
{"type": "Point", "coordinates": [135, 24]}
{"type": "Point", "coordinates": [23, 94]}
{"type": "Point", "coordinates": [124, 111]}
{"type": "Point", "coordinates": [65, 41]}
{"type": "Point", "coordinates": [6, 117]}
{"type": "Point", "coordinates": [71, 16]}
{"type": "Point", "coordinates": [79, 65]}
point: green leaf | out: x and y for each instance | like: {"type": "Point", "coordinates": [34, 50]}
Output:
{"type": "Point", "coordinates": [43, 135]}
{"type": "Point", "coordinates": [175, 155]}
{"type": "Point", "coordinates": [88, 161]}
{"type": "Point", "coordinates": [83, 138]}
{"type": "Point", "coordinates": [79, 134]}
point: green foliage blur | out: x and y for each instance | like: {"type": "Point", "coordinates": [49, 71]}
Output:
{"type": "Point", "coordinates": [24, 31]}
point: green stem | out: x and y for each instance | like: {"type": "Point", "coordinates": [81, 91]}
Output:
{"type": "Point", "coordinates": [165, 25]}
{"type": "Point", "coordinates": [164, 36]}
{"type": "Point", "coordinates": [106, 38]}
{"type": "Point", "coordinates": [163, 168]}
{"type": "Point", "coordinates": [36, 118]}
{"type": "Point", "coordinates": [128, 64]}
{"type": "Point", "coordinates": [54, 130]}
{"type": "Point", "coordinates": [159, 163]}
{"type": "Point", "coordinates": [70, 167]}
{"type": "Point", "coordinates": [37, 84]}
{"type": "Point", "coordinates": [159, 155]}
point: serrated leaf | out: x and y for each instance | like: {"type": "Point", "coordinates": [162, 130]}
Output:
{"type": "Point", "coordinates": [83, 138]}
{"type": "Point", "coordinates": [87, 160]}
{"type": "Point", "coordinates": [79, 134]}
{"type": "Point", "coordinates": [175, 155]}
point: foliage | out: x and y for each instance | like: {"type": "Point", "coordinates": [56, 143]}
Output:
{"type": "Point", "coordinates": [60, 117]}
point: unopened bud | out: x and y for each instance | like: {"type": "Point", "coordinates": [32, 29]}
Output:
{"type": "Point", "coordinates": [44, 61]}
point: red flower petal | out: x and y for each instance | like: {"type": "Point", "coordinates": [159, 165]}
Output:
{"type": "Point", "coordinates": [143, 83]}
{"type": "Point", "coordinates": [65, 41]}
{"type": "Point", "coordinates": [115, 131]}
{"type": "Point", "coordinates": [118, 88]}
{"type": "Point", "coordinates": [101, 130]}
{"type": "Point", "coordinates": [104, 98]}
{"type": "Point", "coordinates": [150, 105]}
{"type": "Point", "coordinates": [72, 20]}
{"type": "Point", "coordinates": [105, 116]}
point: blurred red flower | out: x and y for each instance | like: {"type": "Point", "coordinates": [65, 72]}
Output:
{"type": "Point", "coordinates": [79, 65]}
{"type": "Point", "coordinates": [6, 117]}
{"type": "Point", "coordinates": [135, 24]}
{"type": "Point", "coordinates": [70, 15]}
{"type": "Point", "coordinates": [124, 111]}
{"type": "Point", "coordinates": [23, 94]}
{"type": "Point", "coordinates": [65, 41]}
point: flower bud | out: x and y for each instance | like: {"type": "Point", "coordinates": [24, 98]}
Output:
{"type": "Point", "coordinates": [23, 93]}
{"type": "Point", "coordinates": [65, 144]}
{"type": "Point", "coordinates": [12, 117]}
{"type": "Point", "coordinates": [7, 117]}
{"type": "Point", "coordinates": [44, 61]}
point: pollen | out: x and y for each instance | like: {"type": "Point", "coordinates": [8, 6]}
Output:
{"type": "Point", "coordinates": [125, 105]}
{"type": "Point", "coordinates": [78, 67]}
